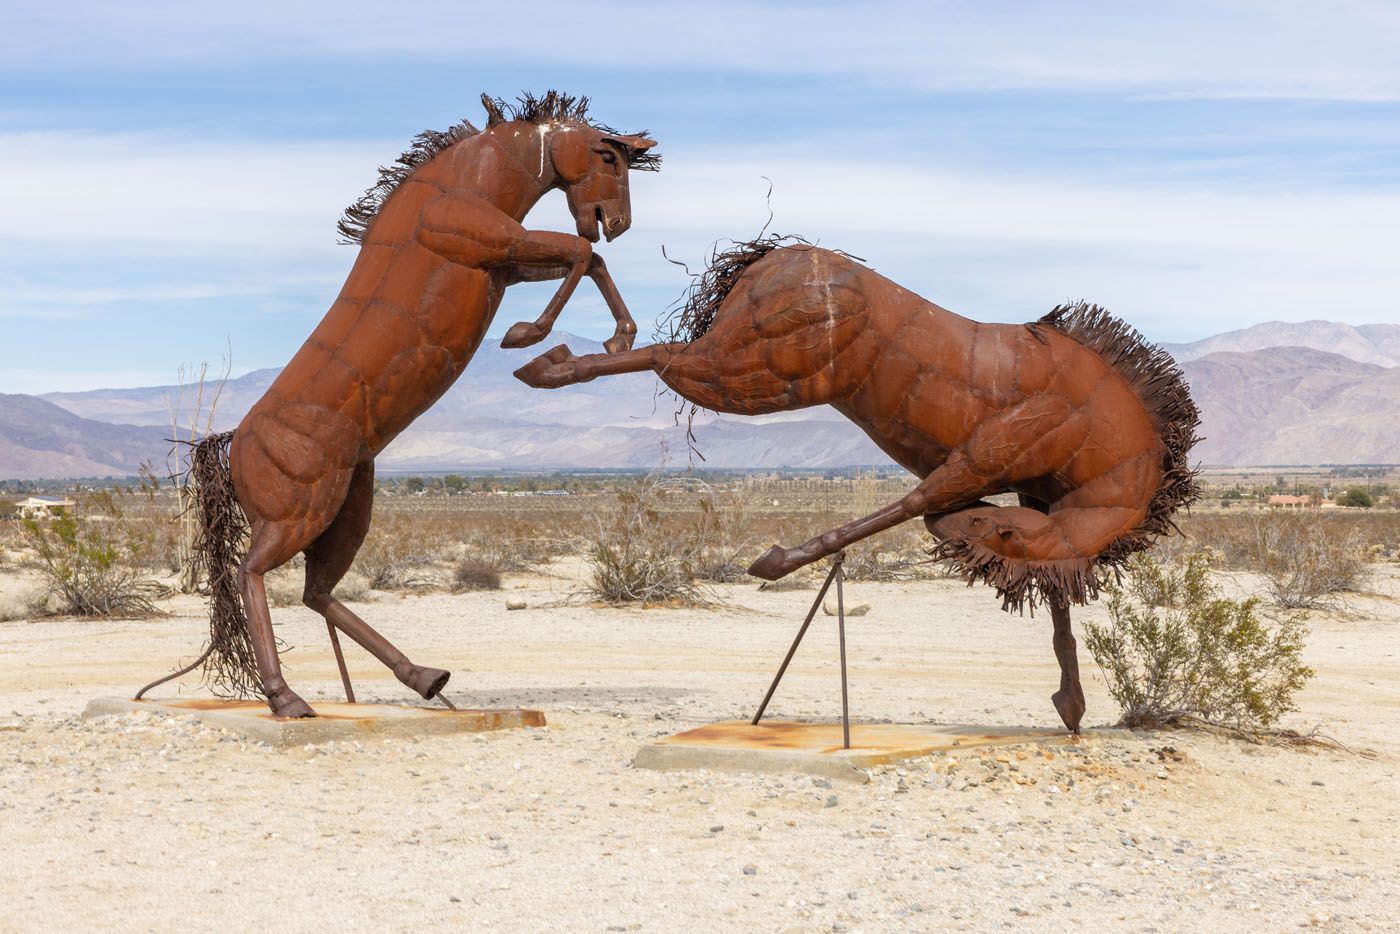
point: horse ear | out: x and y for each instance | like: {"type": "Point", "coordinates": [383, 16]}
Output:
{"type": "Point", "coordinates": [493, 111]}
{"type": "Point", "coordinates": [638, 143]}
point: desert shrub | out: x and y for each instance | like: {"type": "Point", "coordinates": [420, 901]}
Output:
{"type": "Point", "coordinates": [640, 555]}
{"type": "Point", "coordinates": [23, 606]}
{"type": "Point", "coordinates": [476, 572]}
{"type": "Point", "coordinates": [1175, 648]}
{"type": "Point", "coordinates": [285, 585]}
{"type": "Point", "coordinates": [352, 587]}
{"type": "Point", "coordinates": [1307, 561]}
{"type": "Point", "coordinates": [722, 565]}
{"type": "Point", "coordinates": [399, 551]}
{"type": "Point", "coordinates": [1359, 499]}
{"type": "Point", "coordinates": [90, 562]}
{"type": "Point", "coordinates": [900, 554]}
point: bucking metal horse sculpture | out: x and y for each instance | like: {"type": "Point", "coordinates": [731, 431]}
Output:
{"type": "Point", "coordinates": [1075, 413]}
{"type": "Point", "coordinates": [440, 239]}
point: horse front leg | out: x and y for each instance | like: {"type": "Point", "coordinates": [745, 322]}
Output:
{"type": "Point", "coordinates": [626, 329]}
{"type": "Point", "coordinates": [526, 333]}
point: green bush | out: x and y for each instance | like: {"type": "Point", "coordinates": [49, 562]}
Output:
{"type": "Point", "coordinates": [90, 563]}
{"type": "Point", "coordinates": [1175, 648]}
{"type": "Point", "coordinates": [1359, 499]}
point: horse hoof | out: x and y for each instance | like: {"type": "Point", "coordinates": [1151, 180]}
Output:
{"type": "Point", "coordinates": [1070, 705]}
{"type": "Point", "coordinates": [287, 704]}
{"type": "Point", "coordinates": [772, 565]}
{"type": "Point", "coordinates": [426, 681]}
{"type": "Point", "coordinates": [618, 343]}
{"type": "Point", "coordinates": [545, 371]}
{"type": "Point", "coordinates": [523, 334]}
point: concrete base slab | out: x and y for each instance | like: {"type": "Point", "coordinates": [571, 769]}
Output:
{"type": "Point", "coordinates": [335, 721]}
{"type": "Point", "coordinates": [789, 746]}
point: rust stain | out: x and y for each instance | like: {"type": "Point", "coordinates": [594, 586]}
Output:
{"type": "Point", "coordinates": [885, 742]}
{"type": "Point", "coordinates": [365, 714]}
{"type": "Point", "coordinates": [209, 703]}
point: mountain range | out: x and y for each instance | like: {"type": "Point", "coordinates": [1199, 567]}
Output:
{"type": "Point", "coordinates": [1278, 393]}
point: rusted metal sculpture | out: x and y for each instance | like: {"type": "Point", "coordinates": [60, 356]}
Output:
{"type": "Point", "coordinates": [1075, 413]}
{"type": "Point", "coordinates": [440, 240]}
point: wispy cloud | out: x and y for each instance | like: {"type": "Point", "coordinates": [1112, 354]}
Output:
{"type": "Point", "coordinates": [1343, 50]}
{"type": "Point", "coordinates": [177, 169]}
{"type": "Point", "coordinates": [1173, 257]}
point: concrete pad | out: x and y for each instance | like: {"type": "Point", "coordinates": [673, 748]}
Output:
{"type": "Point", "coordinates": [335, 721]}
{"type": "Point", "coordinates": [789, 746]}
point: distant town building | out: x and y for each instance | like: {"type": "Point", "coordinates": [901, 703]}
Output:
{"type": "Point", "coordinates": [1281, 501]}
{"type": "Point", "coordinates": [44, 507]}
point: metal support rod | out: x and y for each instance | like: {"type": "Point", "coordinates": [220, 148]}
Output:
{"type": "Point", "coordinates": [782, 669]}
{"type": "Point", "coordinates": [841, 628]}
{"type": "Point", "coordinates": [340, 662]}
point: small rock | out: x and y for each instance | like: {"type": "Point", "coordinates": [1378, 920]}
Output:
{"type": "Point", "coordinates": [716, 828]}
{"type": "Point", "coordinates": [515, 603]}
{"type": "Point", "coordinates": [830, 801]}
{"type": "Point", "coordinates": [829, 608]}
{"type": "Point", "coordinates": [1317, 783]}
{"type": "Point", "coordinates": [750, 870]}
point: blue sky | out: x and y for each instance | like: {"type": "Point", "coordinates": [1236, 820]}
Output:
{"type": "Point", "coordinates": [174, 171]}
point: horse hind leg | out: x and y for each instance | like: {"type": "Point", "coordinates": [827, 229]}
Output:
{"type": "Point", "coordinates": [272, 545]}
{"type": "Point", "coordinates": [329, 557]}
{"type": "Point", "coordinates": [559, 366]}
{"type": "Point", "coordinates": [1069, 699]}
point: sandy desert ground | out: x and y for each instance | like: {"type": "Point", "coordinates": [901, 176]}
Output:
{"type": "Point", "coordinates": [142, 823]}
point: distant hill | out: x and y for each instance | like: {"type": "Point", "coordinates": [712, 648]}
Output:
{"type": "Point", "coordinates": [1365, 343]}
{"type": "Point", "coordinates": [1270, 404]}
{"type": "Point", "coordinates": [490, 419]}
{"type": "Point", "coordinates": [1295, 405]}
{"type": "Point", "coordinates": [39, 439]}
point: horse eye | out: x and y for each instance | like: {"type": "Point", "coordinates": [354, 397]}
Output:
{"type": "Point", "coordinates": [609, 156]}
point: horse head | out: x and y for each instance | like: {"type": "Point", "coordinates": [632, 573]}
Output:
{"type": "Point", "coordinates": [589, 161]}
{"type": "Point", "coordinates": [591, 165]}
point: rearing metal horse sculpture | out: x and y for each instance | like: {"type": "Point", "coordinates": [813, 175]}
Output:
{"type": "Point", "coordinates": [1075, 413]}
{"type": "Point", "coordinates": [440, 240]}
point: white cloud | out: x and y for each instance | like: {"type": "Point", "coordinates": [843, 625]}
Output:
{"type": "Point", "coordinates": [130, 189]}
{"type": "Point", "coordinates": [1181, 261]}
{"type": "Point", "coordinates": [1201, 48]}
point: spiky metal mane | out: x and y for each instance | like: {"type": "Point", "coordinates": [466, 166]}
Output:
{"type": "Point", "coordinates": [1161, 386]}
{"type": "Point", "coordinates": [553, 107]}
{"type": "Point", "coordinates": [708, 290]}
{"type": "Point", "coordinates": [1159, 383]}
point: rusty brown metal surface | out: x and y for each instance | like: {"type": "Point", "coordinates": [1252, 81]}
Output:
{"type": "Point", "coordinates": [440, 239]}
{"type": "Point", "coordinates": [1075, 412]}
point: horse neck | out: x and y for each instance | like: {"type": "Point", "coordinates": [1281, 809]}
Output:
{"type": "Point", "coordinates": [507, 166]}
